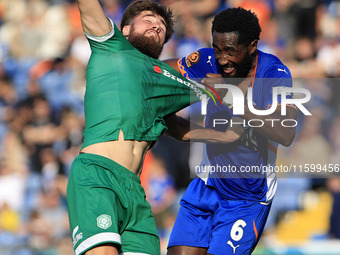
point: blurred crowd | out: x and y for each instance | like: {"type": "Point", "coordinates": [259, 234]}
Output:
{"type": "Point", "coordinates": [43, 57]}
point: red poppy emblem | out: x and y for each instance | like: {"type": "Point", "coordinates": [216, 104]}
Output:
{"type": "Point", "coordinates": [157, 69]}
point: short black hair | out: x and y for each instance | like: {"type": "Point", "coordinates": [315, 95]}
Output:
{"type": "Point", "coordinates": [243, 22]}
{"type": "Point", "coordinates": [135, 8]}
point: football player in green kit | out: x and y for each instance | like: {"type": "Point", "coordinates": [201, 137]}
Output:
{"type": "Point", "coordinates": [129, 96]}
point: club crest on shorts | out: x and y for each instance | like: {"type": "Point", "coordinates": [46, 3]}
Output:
{"type": "Point", "coordinates": [104, 221]}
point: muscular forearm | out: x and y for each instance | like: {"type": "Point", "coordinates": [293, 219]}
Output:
{"type": "Point", "coordinates": [185, 130]}
{"type": "Point", "coordinates": [208, 135]}
{"type": "Point", "coordinates": [272, 127]}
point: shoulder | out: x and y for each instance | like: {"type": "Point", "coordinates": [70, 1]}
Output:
{"type": "Point", "coordinates": [198, 57]}
{"type": "Point", "coordinates": [112, 41]}
{"type": "Point", "coordinates": [270, 66]}
{"type": "Point", "coordinates": [198, 63]}
{"type": "Point", "coordinates": [105, 37]}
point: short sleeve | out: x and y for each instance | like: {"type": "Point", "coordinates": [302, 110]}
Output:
{"type": "Point", "coordinates": [278, 77]}
{"type": "Point", "coordinates": [198, 64]}
{"type": "Point", "coordinates": [112, 41]}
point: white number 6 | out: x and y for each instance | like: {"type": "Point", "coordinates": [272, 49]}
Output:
{"type": "Point", "coordinates": [236, 231]}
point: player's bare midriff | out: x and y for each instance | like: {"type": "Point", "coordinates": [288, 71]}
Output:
{"type": "Point", "coordinates": [128, 153]}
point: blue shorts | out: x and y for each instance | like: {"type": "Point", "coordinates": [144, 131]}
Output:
{"type": "Point", "coordinates": [222, 226]}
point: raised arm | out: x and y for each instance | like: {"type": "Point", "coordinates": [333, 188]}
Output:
{"type": "Point", "coordinates": [274, 129]}
{"type": "Point", "coordinates": [93, 19]}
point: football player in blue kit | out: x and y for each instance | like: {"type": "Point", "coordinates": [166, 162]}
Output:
{"type": "Point", "coordinates": [225, 212]}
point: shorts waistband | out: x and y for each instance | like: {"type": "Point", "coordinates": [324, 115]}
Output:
{"type": "Point", "coordinates": [112, 164]}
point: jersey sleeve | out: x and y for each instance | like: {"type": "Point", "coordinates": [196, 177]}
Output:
{"type": "Point", "coordinates": [198, 64]}
{"type": "Point", "coordinates": [112, 41]}
{"type": "Point", "coordinates": [278, 77]}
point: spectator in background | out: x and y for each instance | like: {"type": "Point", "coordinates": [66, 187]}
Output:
{"type": "Point", "coordinates": [56, 85]}
{"type": "Point", "coordinates": [311, 137]}
{"type": "Point", "coordinates": [260, 7]}
{"type": "Point", "coordinates": [41, 132]}
{"type": "Point", "coordinates": [113, 10]}
{"type": "Point", "coordinates": [306, 12]}
{"type": "Point", "coordinates": [200, 9]}
{"type": "Point", "coordinates": [48, 224]}
{"type": "Point", "coordinates": [192, 36]}
{"type": "Point", "coordinates": [333, 185]}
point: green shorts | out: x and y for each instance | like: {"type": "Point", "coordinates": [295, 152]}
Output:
{"type": "Point", "coordinates": [106, 204]}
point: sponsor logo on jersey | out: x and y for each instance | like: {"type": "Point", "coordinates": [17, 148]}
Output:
{"type": "Point", "coordinates": [76, 237]}
{"type": "Point", "coordinates": [104, 221]}
{"type": "Point", "coordinates": [282, 70]}
{"type": "Point", "coordinates": [209, 60]}
{"type": "Point", "coordinates": [196, 87]}
{"type": "Point", "coordinates": [193, 58]}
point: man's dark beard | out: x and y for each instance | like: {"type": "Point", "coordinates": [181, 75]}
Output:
{"type": "Point", "coordinates": [146, 45]}
{"type": "Point", "coordinates": [242, 69]}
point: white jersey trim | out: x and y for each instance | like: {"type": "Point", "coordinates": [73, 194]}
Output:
{"type": "Point", "coordinates": [96, 239]}
{"type": "Point", "coordinates": [271, 176]}
{"type": "Point", "coordinates": [205, 165]}
{"type": "Point", "coordinates": [102, 38]}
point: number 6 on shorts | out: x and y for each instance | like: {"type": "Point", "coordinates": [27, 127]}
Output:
{"type": "Point", "coordinates": [236, 232]}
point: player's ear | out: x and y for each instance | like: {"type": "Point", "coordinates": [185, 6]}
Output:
{"type": "Point", "coordinates": [126, 30]}
{"type": "Point", "coordinates": [252, 47]}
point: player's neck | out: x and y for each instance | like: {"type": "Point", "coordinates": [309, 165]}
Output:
{"type": "Point", "coordinates": [252, 71]}
{"type": "Point", "coordinates": [250, 79]}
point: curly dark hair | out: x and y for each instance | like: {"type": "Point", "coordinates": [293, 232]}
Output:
{"type": "Point", "coordinates": [137, 7]}
{"type": "Point", "coordinates": [243, 22]}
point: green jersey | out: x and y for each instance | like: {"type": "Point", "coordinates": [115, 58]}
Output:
{"type": "Point", "coordinates": [129, 91]}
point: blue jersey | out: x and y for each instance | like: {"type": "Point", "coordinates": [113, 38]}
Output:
{"type": "Point", "coordinates": [242, 170]}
